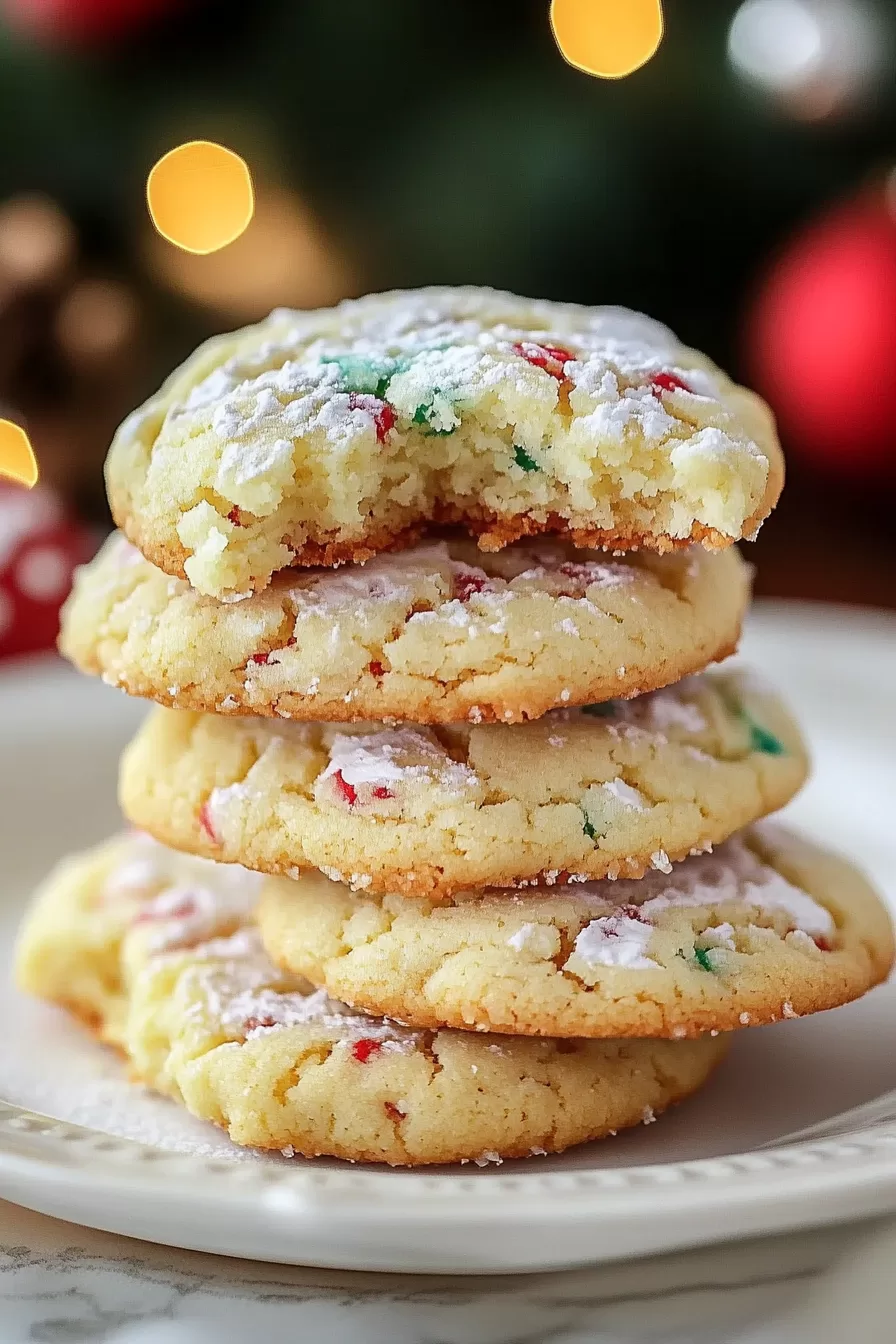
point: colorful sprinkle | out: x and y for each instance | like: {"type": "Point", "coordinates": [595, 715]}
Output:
{"type": "Point", "coordinates": [370, 376]}
{"type": "Point", "coordinates": [363, 1049]}
{"type": "Point", "coordinates": [701, 956]}
{"type": "Point", "coordinates": [182, 910]}
{"type": "Point", "coordinates": [375, 669]}
{"type": "Point", "coordinates": [588, 828]}
{"type": "Point", "coordinates": [424, 414]}
{"type": "Point", "coordinates": [236, 517]}
{"type": "Point", "coordinates": [345, 790]}
{"type": "Point", "coordinates": [205, 824]}
{"type": "Point", "coordinates": [384, 417]}
{"type": "Point", "coordinates": [465, 585]}
{"type": "Point", "coordinates": [761, 739]}
{"type": "Point", "coordinates": [551, 358]}
{"type": "Point", "coordinates": [668, 382]}
{"type": "Point", "coordinates": [522, 459]}
{"type": "Point", "coordinates": [259, 658]}
{"type": "Point", "coordinates": [382, 792]}
{"type": "Point", "coordinates": [253, 1023]}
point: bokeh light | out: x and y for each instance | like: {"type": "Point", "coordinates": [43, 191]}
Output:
{"type": "Point", "coordinates": [286, 258]}
{"type": "Point", "coordinates": [607, 38]}
{"type": "Point", "coordinates": [200, 196]}
{"type": "Point", "coordinates": [814, 55]}
{"type": "Point", "coordinates": [17, 460]}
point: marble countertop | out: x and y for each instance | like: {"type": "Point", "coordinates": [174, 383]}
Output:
{"type": "Point", "coordinates": [64, 1284]}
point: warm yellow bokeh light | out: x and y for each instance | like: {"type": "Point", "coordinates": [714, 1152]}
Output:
{"type": "Point", "coordinates": [608, 38]}
{"type": "Point", "coordinates": [16, 454]}
{"type": "Point", "coordinates": [286, 259]}
{"type": "Point", "coordinates": [200, 196]}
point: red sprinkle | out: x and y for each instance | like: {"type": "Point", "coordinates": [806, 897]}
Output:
{"type": "Point", "coordinates": [574, 570]}
{"type": "Point", "coordinates": [180, 911]}
{"type": "Point", "coordinates": [465, 585]}
{"type": "Point", "coordinates": [236, 517]}
{"type": "Point", "coordinates": [259, 658]}
{"type": "Point", "coordinates": [205, 824]}
{"type": "Point", "coordinates": [668, 382]}
{"type": "Point", "coordinates": [384, 416]}
{"type": "Point", "coordinates": [382, 792]}
{"type": "Point", "coordinates": [823, 944]}
{"type": "Point", "coordinates": [253, 1023]}
{"type": "Point", "coordinates": [632, 912]}
{"type": "Point", "coordinates": [363, 1049]}
{"type": "Point", "coordinates": [375, 669]}
{"type": "Point", "coordinates": [346, 792]}
{"type": "Point", "coordinates": [392, 1111]}
{"type": "Point", "coordinates": [551, 358]}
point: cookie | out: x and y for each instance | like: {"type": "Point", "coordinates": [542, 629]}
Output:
{"type": "Point", "coordinates": [279, 1065]}
{"type": "Point", "coordinates": [71, 947]}
{"type": "Point", "coordinates": [769, 926]}
{"type": "Point", "coordinates": [609, 790]}
{"type": "Point", "coordinates": [435, 634]}
{"type": "Point", "coordinates": [315, 438]}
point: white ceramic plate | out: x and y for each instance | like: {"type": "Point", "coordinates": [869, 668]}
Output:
{"type": "Point", "coordinates": [79, 1142]}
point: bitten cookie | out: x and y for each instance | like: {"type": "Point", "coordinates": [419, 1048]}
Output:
{"type": "Point", "coordinates": [256, 1050]}
{"type": "Point", "coordinates": [128, 893]}
{"type": "Point", "coordinates": [610, 790]}
{"type": "Point", "coordinates": [769, 926]}
{"type": "Point", "coordinates": [435, 634]}
{"type": "Point", "coordinates": [315, 438]}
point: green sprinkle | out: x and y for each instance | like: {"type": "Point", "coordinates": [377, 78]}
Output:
{"type": "Point", "coordinates": [370, 376]}
{"type": "Point", "coordinates": [423, 416]}
{"type": "Point", "coordinates": [588, 828]}
{"type": "Point", "coordinates": [701, 956]}
{"type": "Point", "coordinates": [522, 459]}
{"type": "Point", "coordinates": [761, 739]}
{"type": "Point", "coordinates": [605, 710]}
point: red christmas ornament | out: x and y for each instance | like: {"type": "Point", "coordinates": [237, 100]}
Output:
{"type": "Point", "coordinates": [82, 21]}
{"type": "Point", "coordinates": [39, 550]}
{"type": "Point", "coordinates": [821, 339]}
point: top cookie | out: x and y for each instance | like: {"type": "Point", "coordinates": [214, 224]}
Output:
{"type": "Point", "coordinates": [322, 437]}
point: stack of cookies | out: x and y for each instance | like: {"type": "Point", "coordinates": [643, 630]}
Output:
{"type": "Point", "coordinates": [447, 841]}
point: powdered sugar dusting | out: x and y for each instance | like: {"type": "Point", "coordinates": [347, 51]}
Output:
{"type": "Point", "coordinates": [245, 993]}
{"type": "Point", "coordinates": [395, 755]}
{"type": "Point", "coordinates": [732, 874]}
{"type": "Point", "coordinates": [613, 940]}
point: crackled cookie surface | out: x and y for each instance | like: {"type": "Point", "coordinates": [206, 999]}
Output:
{"type": "Point", "coordinates": [210, 1020]}
{"type": "Point", "coordinates": [768, 926]}
{"type": "Point", "coordinates": [612, 789]}
{"type": "Point", "coordinates": [282, 1067]}
{"type": "Point", "coordinates": [99, 911]}
{"type": "Point", "coordinates": [320, 437]}
{"type": "Point", "coordinates": [435, 634]}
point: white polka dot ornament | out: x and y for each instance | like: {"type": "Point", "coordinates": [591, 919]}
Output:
{"type": "Point", "coordinates": [40, 548]}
